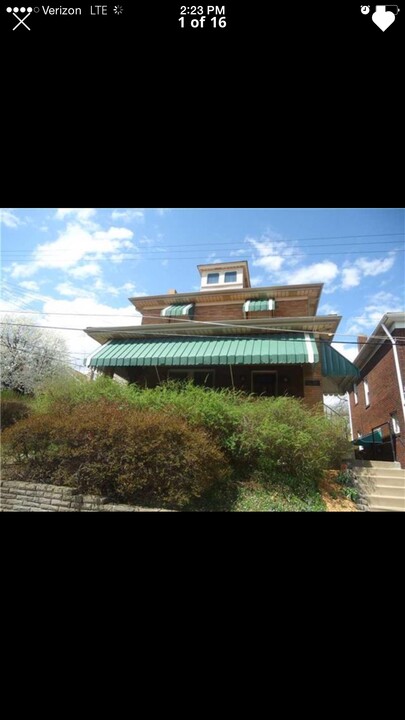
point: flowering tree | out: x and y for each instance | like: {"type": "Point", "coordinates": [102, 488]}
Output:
{"type": "Point", "coordinates": [29, 354]}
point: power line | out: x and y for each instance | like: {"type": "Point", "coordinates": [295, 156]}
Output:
{"type": "Point", "coordinates": [159, 256]}
{"type": "Point", "coordinates": [233, 243]}
{"type": "Point", "coordinates": [163, 334]}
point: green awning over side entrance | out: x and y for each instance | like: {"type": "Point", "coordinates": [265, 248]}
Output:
{"type": "Point", "coordinates": [370, 439]}
{"type": "Point", "coordinates": [177, 310]}
{"type": "Point", "coordinates": [336, 365]}
{"type": "Point", "coordinates": [208, 351]}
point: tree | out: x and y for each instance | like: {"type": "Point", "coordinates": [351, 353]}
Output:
{"type": "Point", "coordinates": [29, 354]}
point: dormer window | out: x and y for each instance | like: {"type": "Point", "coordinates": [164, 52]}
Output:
{"type": "Point", "coordinates": [230, 276]}
{"type": "Point", "coordinates": [212, 278]}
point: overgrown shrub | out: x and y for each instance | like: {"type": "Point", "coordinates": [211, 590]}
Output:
{"type": "Point", "coordinates": [12, 408]}
{"type": "Point", "coordinates": [282, 436]}
{"type": "Point", "coordinates": [274, 436]}
{"type": "Point", "coordinates": [116, 450]}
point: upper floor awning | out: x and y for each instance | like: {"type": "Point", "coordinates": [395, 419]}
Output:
{"type": "Point", "coordinates": [178, 310]}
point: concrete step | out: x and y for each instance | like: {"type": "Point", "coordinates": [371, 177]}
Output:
{"type": "Point", "coordinates": [386, 508]}
{"type": "Point", "coordinates": [375, 464]}
{"type": "Point", "coordinates": [384, 502]}
{"type": "Point", "coordinates": [369, 481]}
{"type": "Point", "coordinates": [379, 472]}
{"type": "Point", "coordinates": [390, 491]}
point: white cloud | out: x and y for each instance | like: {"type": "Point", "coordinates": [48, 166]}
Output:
{"type": "Point", "coordinates": [74, 244]}
{"type": "Point", "coordinates": [326, 309]}
{"type": "Point", "coordinates": [377, 306]}
{"type": "Point", "coordinates": [323, 272]}
{"type": "Point", "coordinates": [81, 215]}
{"type": "Point", "coordinates": [86, 312]}
{"type": "Point", "coordinates": [273, 253]}
{"type": "Point", "coordinates": [375, 267]}
{"type": "Point", "coordinates": [350, 277]}
{"type": "Point", "coordinates": [30, 285]}
{"type": "Point", "coordinates": [256, 280]}
{"type": "Point", "coordinates": [129, 287]}
{"type": "Point", "coordinates": [9, 218]}
{"type": "Point", "coordinates": [66, 288]}
{"type": "Point", "coordinates": [162, 211]}
{"type": "Point", "coordinates": [88, 270]}
{"type": "Point", "coordinates": [349, 352]}
{"type": "Point", "coordinates": [128, 215]}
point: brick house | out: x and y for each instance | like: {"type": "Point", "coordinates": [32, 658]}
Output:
{"type": "Point", "coordinates": [377, 398]}
{"type": "Point", "coordinates": [268, 340]}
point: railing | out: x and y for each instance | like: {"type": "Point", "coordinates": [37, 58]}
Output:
{"type": "Point", "coordinates": [378, 427]}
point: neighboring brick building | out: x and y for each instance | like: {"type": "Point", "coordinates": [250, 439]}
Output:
{"type": "Point", "coordinates": [227, 334]}
{"type": "Point", "coordinates": [377, 399]}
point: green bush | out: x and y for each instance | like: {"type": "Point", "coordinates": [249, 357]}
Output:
{"type": "Point", "coordinates": [274, 436]}
{"type": "Point", "coordinates": [13, 408]}
{"type": "Point", "coordinates": [282, 436]}
{"type": "Point", "coordinates": [116, 450]}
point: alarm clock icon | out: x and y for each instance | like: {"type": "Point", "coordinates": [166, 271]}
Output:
{"type": "Point", "coordinates": [365, 9]}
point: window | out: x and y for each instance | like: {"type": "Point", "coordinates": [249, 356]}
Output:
{"type": "Point", "coordinates": [230, 276]}
{"type": "Point", "coordinates": [212, 278]}
{"type": "Point", "coordinates": [395, 424]}
{"type": "Point", "coordinates": [366, 392]}
{"type": "Point", "coordinates": [355, 393]}
{"type": "Point", "coordinates": [264, 383]}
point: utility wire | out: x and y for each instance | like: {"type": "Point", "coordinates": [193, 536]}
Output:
{"type": "Point", "coordinates": [232, 243]}
{"type": "Point", "coordinates": [164, 334]}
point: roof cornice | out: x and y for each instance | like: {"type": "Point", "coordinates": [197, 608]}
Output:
{"type": "Point", "coordinates": [325, 326]}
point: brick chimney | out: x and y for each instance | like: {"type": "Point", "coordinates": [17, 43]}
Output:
{"type": "Point", "coordinates": [172, 292]}
{"type": "Point", "coordinates": [361, 340]}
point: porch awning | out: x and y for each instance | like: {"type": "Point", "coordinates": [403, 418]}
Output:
{"type": "Point", "coordinates": [258, 305]}
{"type": "Point", "coordinates": [336, 365]}
{"type": "Point", "coordinates": [368, 439]}
{"type": "Point", "coordinates": [208, 351]}
{"type": "Point", "coordinates": [177, 310]}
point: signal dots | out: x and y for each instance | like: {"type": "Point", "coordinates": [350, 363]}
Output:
{"type": "Point", "coordinates": [21, 10]}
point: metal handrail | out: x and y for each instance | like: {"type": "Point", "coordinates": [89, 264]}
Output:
{"type": "Point", "coordinates": [377, 427]}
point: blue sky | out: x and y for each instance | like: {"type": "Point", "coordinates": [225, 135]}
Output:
{"type": "Point", "coordinates": [77, 267]}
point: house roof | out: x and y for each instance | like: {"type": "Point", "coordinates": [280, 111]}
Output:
{"type": "Point", "coordinates": [392, 321]}
{"type": "Point", "coordinates": [325, 325]}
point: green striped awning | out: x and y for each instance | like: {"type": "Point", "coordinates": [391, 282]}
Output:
{"type": "Point", "coordinates": [177, 310]}
{"type": "Point", "coordinates": [336, 365]}
{"type": "Point", "coordinates": [207, 351]}
{"type": "Point", "coordinates": [258, 305]}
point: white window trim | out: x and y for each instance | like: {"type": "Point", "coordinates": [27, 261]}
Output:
{"type": "Point", "coordinates": [395, 426]}
{"type": "Point", "coordinates": [355, 394]}
{"type": "Point", "coordinates": [366, 392]}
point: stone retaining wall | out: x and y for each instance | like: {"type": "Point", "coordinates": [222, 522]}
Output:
{"type": "Point", "coordinates": [18, 496]}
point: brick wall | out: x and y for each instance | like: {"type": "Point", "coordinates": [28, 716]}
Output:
{"type": "Point", "coordinates": [231, 311]}
{"type": "Point", "coordinates": [291, 308]}
{"type": "Point", "coordinates": [383, 393]}
{"type": "Point", "coordinates": [17, 496]}
{"type": "Point", "coordinates": [312, 392]}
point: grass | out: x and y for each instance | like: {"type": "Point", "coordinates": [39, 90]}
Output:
{"type": "Point", "coordinates": [253, 496]}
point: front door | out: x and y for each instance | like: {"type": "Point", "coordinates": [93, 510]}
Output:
{"type": "Point", "coordinates": [264, 383]}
